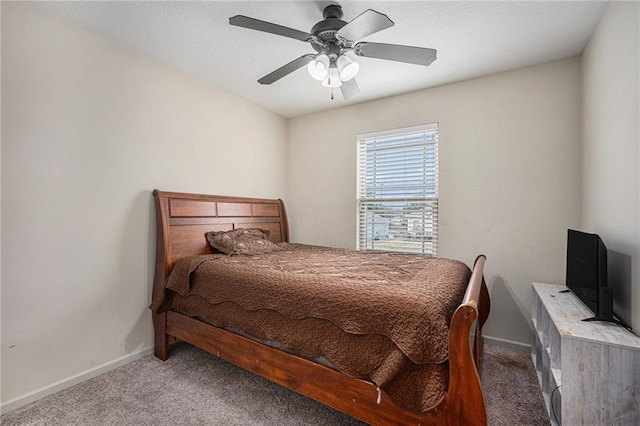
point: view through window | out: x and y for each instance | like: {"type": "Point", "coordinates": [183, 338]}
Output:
{"type": "Point", "coordinates": [398, 190]}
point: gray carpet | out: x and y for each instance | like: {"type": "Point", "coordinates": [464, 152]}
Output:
{"type": "Point", "coordinates": [195, 388]}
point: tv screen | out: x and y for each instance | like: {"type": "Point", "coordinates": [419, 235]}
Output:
{"type": "Point", "coordinates": [583, 261]}
{"type": "Point", "coordinates": [587, 274]}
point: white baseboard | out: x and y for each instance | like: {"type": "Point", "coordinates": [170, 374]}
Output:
{"type": "Point", "coordinates": [30, 397]}
{"type": "Point", "coordinates": [517, 346]}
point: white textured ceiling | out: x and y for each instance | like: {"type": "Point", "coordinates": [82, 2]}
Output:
{"type": "Point", "coordinates": [472, 38]}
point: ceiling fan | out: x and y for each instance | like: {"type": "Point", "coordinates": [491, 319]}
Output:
{"type": "Point", "coordinates": [332, 38]}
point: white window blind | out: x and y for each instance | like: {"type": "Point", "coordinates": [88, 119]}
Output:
{"type": "Point", "coordinates": [398, 190]}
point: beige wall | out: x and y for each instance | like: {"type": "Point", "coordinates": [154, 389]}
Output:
{"type": "Point", "coordinates": [611, 153]}
{"type": "Point", "coordinates": [509, 176]}
{"type": "Point", "coordinates": [89, 129]}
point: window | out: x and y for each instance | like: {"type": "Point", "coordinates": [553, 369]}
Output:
{"type": "Point", "coordinates": [398, 190]}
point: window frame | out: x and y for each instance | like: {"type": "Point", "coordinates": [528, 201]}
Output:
{"type": "Point", "coordinates": [428, 241]}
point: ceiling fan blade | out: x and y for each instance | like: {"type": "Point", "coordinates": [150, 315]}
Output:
{"type": "Point", "coordinates": [396, 52]}
{"type": "Point", "coordinates": [268, 27]}
{"type": "Point", "coordinates": [350, 89]}
{"type": "Point", "coordinates": [286, 69]}
{"type": "Point", "coordinates": [365, 24]}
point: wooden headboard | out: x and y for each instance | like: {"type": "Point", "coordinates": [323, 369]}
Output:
{"type": "Point", "coordinates": [183, 219]}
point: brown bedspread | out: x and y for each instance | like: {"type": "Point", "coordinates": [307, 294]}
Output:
{"type": "Point", "coordinates": [379, 316]}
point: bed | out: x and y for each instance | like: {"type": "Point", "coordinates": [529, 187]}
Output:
{"type": "Point", "coordinates": [182, 220]}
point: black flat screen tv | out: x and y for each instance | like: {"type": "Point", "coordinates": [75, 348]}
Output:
{"type": "Point", "coordinates": [587, 274]}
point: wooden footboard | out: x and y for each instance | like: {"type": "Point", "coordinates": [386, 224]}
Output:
{"type": "Point", "coordinates": [464, 403]}
{"type": "Point", "coordinates": [182, 220]}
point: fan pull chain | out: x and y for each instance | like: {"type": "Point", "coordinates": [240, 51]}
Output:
{"type": "Point", "coordinates": [332, 93]}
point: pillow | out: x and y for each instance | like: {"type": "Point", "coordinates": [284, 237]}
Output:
{"type": "Point", "coordinates": [242, 241]}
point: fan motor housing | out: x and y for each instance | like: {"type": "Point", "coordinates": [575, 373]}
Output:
{"type": "Point", "coordinates": [326, 30]}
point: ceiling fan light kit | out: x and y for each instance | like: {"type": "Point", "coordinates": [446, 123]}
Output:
{"type": "Point", "coordinates": [348, 69]}
{"type": "Point", "coordinates": [332, 38]}
{"type": "Point", "coordinates": [319, 67]}
{"type": "Point", "coordinates": [333, 79]}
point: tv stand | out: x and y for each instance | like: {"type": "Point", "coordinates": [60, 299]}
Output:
{"type": "Point", "coordinates": [589, 372]}
{"type": "Point", "coordinates": [607, 319]}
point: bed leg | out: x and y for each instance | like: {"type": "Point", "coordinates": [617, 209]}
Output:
{"type": "Point", "coordinates": [161, 339]}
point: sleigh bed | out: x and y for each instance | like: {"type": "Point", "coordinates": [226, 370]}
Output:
{"type": "Point", "coordinates": [192, 302]}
